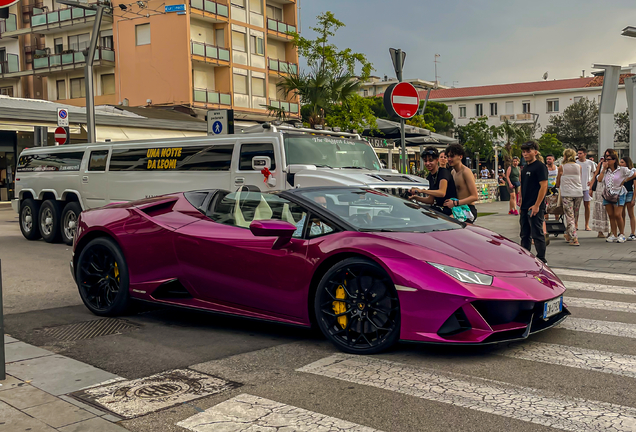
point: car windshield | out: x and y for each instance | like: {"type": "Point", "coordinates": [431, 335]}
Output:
{"type": "Point", "coordinates": [330, 152]}
{"type": "Point", "coordinates": [371, 210]}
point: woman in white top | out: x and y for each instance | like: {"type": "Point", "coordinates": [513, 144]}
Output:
{"type": "Point", "coordinates": [613, 176]}
{"type": "Point", "coordinates": [569, 182]}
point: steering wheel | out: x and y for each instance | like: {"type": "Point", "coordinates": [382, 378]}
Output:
{"type": "Point", "coordinates": [360, 219]}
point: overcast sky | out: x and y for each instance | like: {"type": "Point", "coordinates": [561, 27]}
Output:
{"type": "Point", "coordinates": [483, 42]}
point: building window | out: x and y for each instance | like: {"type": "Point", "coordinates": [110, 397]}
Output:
{"type": "Point", "coordinates": [61, 89]}
{"type": "Point", "coordinates": [106, 39]}
{"type": "Point", "coordinates": [79, 42]}
{"type": "Point", "coordinates": [108, 84]}
{"type": "Point", "coordinates": [142, 34]}
{"type": "Point", "coordinates": [577, 98]}
{"type": "Point", "coordinates": [238, 41]}
{"type": "Point", "coordinates": [274, 13]}
{"type": "Point", "coordinates": [365, 93]}
{"type": "Point", "coordinates": [510, 107]}
{"type": "Point", "coordinates": [219, 37]}
{"type": "Point", "coordinates": [78, 88]}
{"type": "Point", "coordinates": [240, 84]}
{"type": "Point", "coordinates": [493, 108]}
{"type": "Point", "coordinates": [553, 105]}
{"type": "Point", "coordinates": [479, 110]}
{"type": "Point", "coordinates": [450, 108]}
{"type": "Point", "coordinates": [256, 6]}
{"type": "Point", "coordinates": [462, 111]}
{"type": "Point", "coordinates": [257, 45]}
{"type": "Point", "coordinates": [6, 91]}
{"type": "Point", "coordinates": [58, 44]}
{"type": "Point", "coordinates": [258, 87]}
{"type": "Point", "coordinates": [238, 3]}
{"type": "Point", "coordinates": [526, 107]}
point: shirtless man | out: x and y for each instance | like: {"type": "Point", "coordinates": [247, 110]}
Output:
{"type": "Point", "coordinates": [464, 180]}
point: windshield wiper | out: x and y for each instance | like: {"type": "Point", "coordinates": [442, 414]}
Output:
{"type": "Point", "coordinates": [324, 166]}
{"type": "Point", "coordinates": [352, 167]}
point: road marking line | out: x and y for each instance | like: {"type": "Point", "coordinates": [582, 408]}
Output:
{"type": "Point", "coordinates": [594, 275]}
{"type": "Point", "coordinates": [600, 304]}
{"type": "Point", "coordinates": [599, 327]}
{"type": "Point", "coordinates": [610, 289]}
{"type": "Point", "coordinates": [574, 357]}
{"type": "Point", "coordinates": [493, 397]}
{"type": "Point", "coordinates": [252, 413]}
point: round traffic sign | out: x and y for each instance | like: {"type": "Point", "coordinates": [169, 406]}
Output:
{"type": "Point", "coordinates": [402, 100]}
{"type": "Point", "coordinates": [7, 3]}
{"type": "Point", "coordinates": [60, 135]}
{"type": "Point", "coordinates": [63, 113]}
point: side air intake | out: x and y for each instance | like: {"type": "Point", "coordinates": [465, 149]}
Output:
{"type": "Point", "coordinates": [456, 323]}
{"type": "Point", "coordinates": [171, 290]}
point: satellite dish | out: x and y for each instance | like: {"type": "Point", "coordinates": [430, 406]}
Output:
{"type": "Point", "coordinates": [545, 76]}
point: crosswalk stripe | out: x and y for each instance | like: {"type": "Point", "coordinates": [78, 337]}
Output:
{"type": "Point", "coordinates": [600, 304]}
{"type": "Point", "coordinates": [609, 289]}
{"type": "Point", "coordinates": [595, 275]}
{"type": "Point", "coordinates": [599, 327]}
{"type": "Point", "coordinates": [580, 358]}
{"type": "Point", "coordinates": [252, 413]}
{"type": "Point", "coordinates": [507, 400]}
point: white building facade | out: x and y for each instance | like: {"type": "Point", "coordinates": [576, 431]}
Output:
{"type": "Point", "coordinates": [376, 86]}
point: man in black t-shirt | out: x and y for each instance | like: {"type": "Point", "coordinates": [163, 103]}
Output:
{"type": "Point", "coordinates": [534, 185]}
{"type": "Point", "coordinates": [441, 185]}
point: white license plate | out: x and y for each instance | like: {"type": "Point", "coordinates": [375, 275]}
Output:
{"type": "Point", "coordinates": [552, 307]}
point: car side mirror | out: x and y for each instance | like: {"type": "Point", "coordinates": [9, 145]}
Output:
{"type": "Point", "coordinates": [274, 228]}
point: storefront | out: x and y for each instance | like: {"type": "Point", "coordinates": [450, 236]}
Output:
{"type": "Point", "coordinates": [7, 165]}
{"type": "Point", "coordinates": [390, 156]}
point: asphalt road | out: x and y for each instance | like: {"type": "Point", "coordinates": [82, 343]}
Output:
{"type": "Point", "coordinates": [579, 376]}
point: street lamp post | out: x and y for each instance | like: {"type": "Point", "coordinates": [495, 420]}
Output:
{"type": "Point", "coordinates": [89, 54]}
{"type": "Point", "coordinates": [630, 90]}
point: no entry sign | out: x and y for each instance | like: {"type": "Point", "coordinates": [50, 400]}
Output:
{"type": "Point", "coordinates": [7, 3]}
{"type": "Point", "coordinates": [60, 136]}
{"type": "Point", "coordinates": [401, 100]}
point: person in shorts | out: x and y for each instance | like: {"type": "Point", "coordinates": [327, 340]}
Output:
{"type": "Point", "coordinates": [514, 184]}
{"type": "Point", "coordinates": [628, 208]}
{"type": "Point", "coordinates": [587, 168]}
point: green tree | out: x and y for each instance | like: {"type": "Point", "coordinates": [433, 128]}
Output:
{"type": "Point", "coordinates": [478, 137]}
{"type": "Point", "coordinates": [577, 126]}
{"type": "Point", "coordinates": [621, 122]}
{"type": "Point", "coordinates": [438, 116]}
{"type": "Point", "coordinates": [419, 121]}
{"type": "Point", "coordinates": [549, 144]}
{"type": "Point", "coordinates": [355, 113]}
{"type": "Point", "coordinates": [324, 56]}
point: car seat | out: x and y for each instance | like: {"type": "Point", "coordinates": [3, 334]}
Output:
{"type": "Point", "coordinates": [244, 206]}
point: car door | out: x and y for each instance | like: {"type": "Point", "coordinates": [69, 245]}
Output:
{"type": "Point", "coordinates": [252, 156]}
{"type": "Point", "coordinates": [225, 263]}
{"type": "Point", "coordinates": [94, 185]}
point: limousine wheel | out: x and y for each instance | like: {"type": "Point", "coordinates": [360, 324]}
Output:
{"type": "Point", "coordinates": [70, 214]}
{"type": "Point", "coordinates": [102, 278]}
{"type": "Point", "coordinates": [50, 221]}
{"type": "Point", "coordinates": [357, 307]}
{"type": "Point", "coordinates": [29, 212]}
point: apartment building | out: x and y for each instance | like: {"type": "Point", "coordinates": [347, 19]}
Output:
{"type": "Point", "coordinates": [209, 55]}
{"type": "Point", "coordinates": [376, 86]}
{"type": "Point", "coordinates": [524, 102]}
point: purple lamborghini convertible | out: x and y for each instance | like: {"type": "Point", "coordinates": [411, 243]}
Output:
{"type": "Point", "coordinates": [368, 268]}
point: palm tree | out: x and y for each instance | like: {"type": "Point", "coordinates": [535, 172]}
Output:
{"type": "Point", "coordinates": [319, 90]}
{"type": "Point", "coordinates": [513, 135]}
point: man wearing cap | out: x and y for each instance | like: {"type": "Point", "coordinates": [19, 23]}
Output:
{"type": "Point", "coordinates": [440, 181]}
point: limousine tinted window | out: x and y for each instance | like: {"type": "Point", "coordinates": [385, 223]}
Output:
{"type": "Point", "coordinates": [97, 161]}
{"type": "Point", "coordinates": [63, 161]}
{"type": "Point", "coordinates": [200, 158]}
{"type": "Point", "coordinates": [248, 151]}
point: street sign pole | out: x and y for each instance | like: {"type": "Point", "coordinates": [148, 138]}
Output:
{"type": "Point", "coordinates": [88, 73]}
{"type": "Point", "coordinates": [398, 63]}
{"type": "Point", "coordinates": [3, 370]}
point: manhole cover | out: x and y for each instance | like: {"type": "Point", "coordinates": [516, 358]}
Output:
{"type": "Point", "coordinates": [138, 397]}
{"type": "Point", "coordinates": [90, 329]}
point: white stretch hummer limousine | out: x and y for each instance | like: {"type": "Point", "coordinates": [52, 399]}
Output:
{"type": "Point", "coordinates": [54, 184]}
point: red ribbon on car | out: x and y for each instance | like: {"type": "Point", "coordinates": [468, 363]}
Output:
{"type": "Point", "coordinates": [266, 173]}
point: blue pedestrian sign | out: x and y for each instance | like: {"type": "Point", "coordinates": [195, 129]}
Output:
{"type": "Point", "coordinates": [220, 122]}
{"type": "Point", "coordinates": [217, 127]}
{"type": "Point", "coordinates": [175, 8]}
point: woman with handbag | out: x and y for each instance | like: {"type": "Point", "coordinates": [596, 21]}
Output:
{"type": "Point", "coordinates": [569, 182]}
{"type": "Point", "coordinates": [599, 221]}
{"type": "Point", "coordinates": [613, 176]}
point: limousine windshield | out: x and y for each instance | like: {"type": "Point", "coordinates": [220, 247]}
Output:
{"type": "Point", "coordinates": [330, 152]}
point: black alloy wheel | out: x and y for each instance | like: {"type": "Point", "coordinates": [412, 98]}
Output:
{"type": "Point", "coordinates": [29, 214]}
{"type": "Point", "coordinates": [68, 228]}
{"type": "Point", "coordinates": [357, 307]}
{"type": "Point", "coordinates": [49, 221]}
{"type": "Point", "coordinates": [102, 278]}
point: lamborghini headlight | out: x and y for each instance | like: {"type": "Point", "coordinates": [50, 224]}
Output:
{"type": "Point", "coordinates": [465, 276]}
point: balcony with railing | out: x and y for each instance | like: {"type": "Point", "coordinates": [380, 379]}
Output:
{"type": "Point", "coordinates": [10, 64]}
{"type": "Point", "coordinates": [212, 97]}
{"type": "Point", "coordinates": [8, 24]}
{"type": "Point", "coordinates": [275, 65]}
{"type": "Point", "coordinates": [289, 107]}
{"type": "Point", "coordinates": [505, 117]}
{"type": "Point", "coordinates": [210, 52]}
{"type": "Point", "coordinates": [279, 29]}
{"type": "Point", "coordinates": [205, 7]}
{"type": "Point", "coordinates": [524, 117]}
{"type": "Point", "coordinates": [48, 22]}
{"type": "Point", "coordinates": [71, 60]}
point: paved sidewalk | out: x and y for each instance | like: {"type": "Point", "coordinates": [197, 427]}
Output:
{"type": "Point", "coordinates": [34, 396]}
{"type": "Point", "coordinates": [594, 254]}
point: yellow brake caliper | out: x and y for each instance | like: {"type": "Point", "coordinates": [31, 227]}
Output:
{"type": "Point", "coordinates": [116, 272]}
{"type": "Point", "coordinates": [340, 307]}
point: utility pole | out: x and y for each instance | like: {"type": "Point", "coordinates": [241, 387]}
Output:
{"type": "Point", "coordinates": [436, 77]}
{"type": "Point", "coordinates": [89, 54]}
{"type": "Point", "coordinates": [398, 70]}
